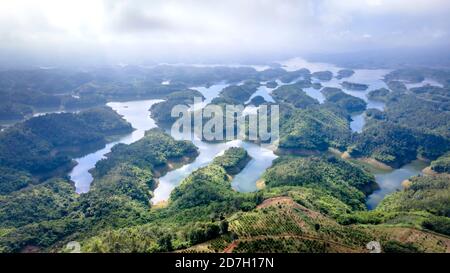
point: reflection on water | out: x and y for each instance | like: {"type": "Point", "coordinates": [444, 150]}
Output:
{"type": "Point", "coordinates": [392, 180]}
{"type": "Point", "coordinates": [136, 113]}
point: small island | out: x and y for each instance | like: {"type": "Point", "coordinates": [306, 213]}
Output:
{"type": "Point", "coordinates": [379, 94]}
{"type": "Point", "coordinates": [271, 84]}
{"type": "Point", "coordinates": [344, 73]}
{"type": "Point", "coordinates": [257, 101]}
{"type": "Point", "coordinates": [344, 101]}
{"type": "Point", "coordinates": [397, 86]}
{"type": "Point", "coordinates": [233, 160]}
{"type": "Point", "coordinates": [323, 75]}
{"type": "Point", "coordinates": [161, 112]}
{"type": "Point", "coordinates": [354, 86]}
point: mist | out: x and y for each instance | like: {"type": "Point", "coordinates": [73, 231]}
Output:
{"type": "Point", "coordinates": [90, 32]}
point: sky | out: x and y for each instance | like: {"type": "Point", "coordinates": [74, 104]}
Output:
{"type": "Point", "coordinates": [133, 31]}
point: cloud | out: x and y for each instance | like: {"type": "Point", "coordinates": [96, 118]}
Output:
{"type": "Point", "coordinates": [163, 29]}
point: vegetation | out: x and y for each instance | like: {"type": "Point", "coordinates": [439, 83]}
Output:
{"type": "Point", "coordinates": [119, 197]}
{"type": "Point", "coordinates": [293, 94]}
{"type": "Point", "coordinates": [196, 213]}
{"type": "Point", "coordinates": [422, 204]}
{"type": "Point", "coordinates": [411, 126]}
{"type": "Point", "coordinates": [415, 113]}
{"type": "Point", "coordinates": [430, 194]}
{"type": "Point", "coordinates": [379, 94]}
{"type": "Point", "coordinates": [257, 101]}
{"type": "Point", "coordinates": [354, 86]}
{"type": "Point", "coordinates": [312, 201]}
{"type": "Point", "coordinates": [438, 224]}
{"type": "Point", "coordinates": [272, 84]}
{"type": "Point", "coordinates": [161, 112]}
{"type": "Point", "coordinates": [12, 180]}
{"type": "Point", "coordinates": [9, 111]}
{"type": "Point", "coordinates": [442, 164]}
{"type": "Point", "coordinates": [237, 94]}
{"type": "Point", "coordinates": [233, 160]}
{"type": "Point", "coordinates": [396, 145]}
{"type": "Point", "coordinates": [343, 101]}
{"type": "Point", "coordinates": [291, 76]}
{"type": "Point", "coordinates": [334, 176]}
{"type": "Point", "coordinates": [314, 129]}
{"type": "Point", "coordinates": [21, 207]}
{"type": "Point", "coordinates": [43, 145]}
{"type": "Point", "coordinates": [160, 148]}
{"type": "Point", "coordinates": [397, 86]}
{"type": "Point", "coordinates": [407, 75]}
{"type": "Point", "coordinates": [312, 198]}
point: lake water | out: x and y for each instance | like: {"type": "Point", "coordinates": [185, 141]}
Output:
{"type": "Point", "coordinates": [372, 77]}
{"type": "Point", "coordinates": [136, 113]}
{"type": "Point", "coordinates": [245, 181]}
{"type": "Point", "coordinates": [264, 92]}
{"type": "Point", "coordinates": [390, 181]}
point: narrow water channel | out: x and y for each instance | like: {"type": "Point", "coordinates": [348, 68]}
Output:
{"type": "Point", "coordinates": [137, 113]}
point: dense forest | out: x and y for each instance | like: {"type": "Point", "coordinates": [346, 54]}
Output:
{"type": "Point", "coordinates": [41, 146]}
{"type": "Point", "coordinates": [311, 199]}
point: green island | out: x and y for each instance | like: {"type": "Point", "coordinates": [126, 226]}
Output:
{"type": "Point", "coordinates": [344, 73]}
{"type": "Point", "coordinates": [378, 94]}
{"type": "Point", "coordinates": [354, 86]}
{"type": "Point", "coordinates": [322, 75]}
{"type": "Point", "coordinates": [44, 146]}
{"type": "Point", "coordinates": [343, 100]}
{"type": "Point", "coordinates": [312, 198]}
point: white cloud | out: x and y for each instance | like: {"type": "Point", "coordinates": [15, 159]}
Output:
{"type": "Point", "coordinates": [164, 28]}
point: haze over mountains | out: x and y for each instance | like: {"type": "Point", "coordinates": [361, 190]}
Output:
{"type": "Point", "coordinates": [358, 151]}
{"type": "Point", "coordinates": [49, 33]}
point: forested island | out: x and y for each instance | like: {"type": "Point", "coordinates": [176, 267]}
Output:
{"type": "Point", "coordinates": [312, 198]}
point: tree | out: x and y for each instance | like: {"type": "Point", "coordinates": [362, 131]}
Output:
{"type": "Point", "coordinates": [165, 243]}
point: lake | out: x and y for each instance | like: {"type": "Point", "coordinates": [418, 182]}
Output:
{"type": "Point", "coordinates": [245, 181]}
{"type": "Point", "coordinates": [390, 181]}
{"type": "Point", "coordinates": [137, 113]}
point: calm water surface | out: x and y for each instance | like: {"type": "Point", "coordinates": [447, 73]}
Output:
{"type": "Point", "coordinates": [245, 181]}
{"type": "Point", "coordinates": [392, 180]}
{"type": "Point", "coordinates": [136, 112]}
